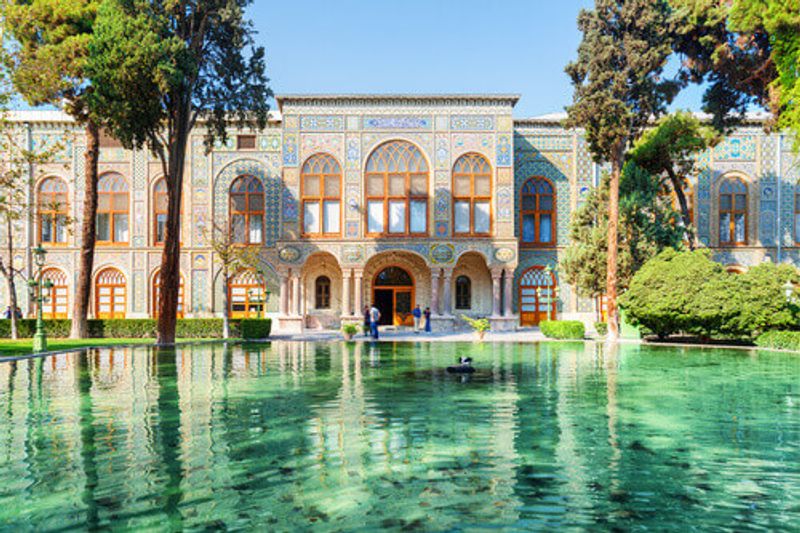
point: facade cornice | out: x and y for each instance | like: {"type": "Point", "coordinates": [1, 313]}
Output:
{"type": "Point", "coordinates": [363, 100]}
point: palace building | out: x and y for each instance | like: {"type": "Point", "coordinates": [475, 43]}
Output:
{"type": "Point", "coordinates": [446, 201]}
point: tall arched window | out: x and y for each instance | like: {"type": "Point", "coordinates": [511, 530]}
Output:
{"type": "Point", "coordinates": [53, 211]}
{"type": "Point", "coordinates": [538, 212]}
{"type": "Point", "coordinates": [246, 294]}
{"type": "Point", "coordinates": [472, 196]}
{"type": "Point", "coordinates": [322, 293]}
{"type": "Point", "coordinates": [397, 190]}
{"type": "Point", "coordinates": [112, 210]}
{"type": "Point", "coordinates": [157, 295]}
{"type": "Point", "coordinates": [321, 193]}
{"type": "Point", "coordinates": [463, 292]}
{"type": "Point", "coordinates": [160, 211]}
{"type": "Point", "coordinates": [733, 212]}
{"type": "Point", "coordinates": [56, 303]}
{"type": "Point", "coordinates": [247, 210]}
{"type": "Point", "coordinates": [110, 294]}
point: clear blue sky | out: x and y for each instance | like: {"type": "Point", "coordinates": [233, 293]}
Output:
{"type": "Point", "coordinates": [425, 46]}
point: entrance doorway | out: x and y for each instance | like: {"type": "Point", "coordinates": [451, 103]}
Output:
{"type": "Point", "coordinates": [393, 295]}
{"type": "Point", "coordinates": [537, 298]}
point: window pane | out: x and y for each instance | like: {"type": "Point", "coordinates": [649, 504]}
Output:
{"type": "Point", "coordinates": [419, 217]}
{"type": "Point", "coordinates": [311, 217]}
{"type": "Point", "coordinates": [740, 202]}
{"type": "Point", "coordinates": [528, 202]}
{"type": "Point", "coordinates": [528, 228]}
{"type": "Point", "coordinates": [375, 217]}
{"type": "Point", "coordinates": [397, 185]}
{"type": "Point", "coordinates": [797, 228]}
{"type": "Point", "coordinates": [61, 228]}
{"type": "Point", "coordinates": [161, 228]}
{"type": "Point", "coordinates": [103, 202]}
{"type": "Point", "coordinates": [103, 227]}
{"type": "Point", "coordinates": [331, 217]}
{"type": "Point", "coordinates": [419, 185]}
{"type": "Point", "coordinates": [120, 202]}
{"type": "Point", "coordinates": [311, 186]}
{"type": "Point", "coordinates": [545, 229]}
{"type": "Point", "coordinates": [375, 186]}
{"type": "Point", "coordinates": [255, 229]}
{"type": "Point", "coordinates": [462, 186]}
{"type": "Point", "coordinates": [461, 212]}
{"type": "Point", "coordinates": [121, 228]}
{"type": "Point", "coordinates": [47, 228]}
{"type": "Point", "coordinates": [238, 203]}
{"type": "Point", "coordinates": [482, 219]}
{"type": "Point", "coordinates": [546, 203]}
{"type": "Point", "coordinates": [725, 202]}
{"type": "Point", "coordinates": [237, 228]}
{"type": "Point", "coordinates": [739, 228]}
{"type": "Point", "coordinates": [256, 203]}
{"type": "Point", "coordinates": [724, 227]}
{"type": "Point", "coordinates": [482, 186]}
{"type": "Point", "coordinates": [397, 217]}
{"type": "Point", "coordinates": [161, 202]}
{"type": "Point", "coordinates": [332, 186]}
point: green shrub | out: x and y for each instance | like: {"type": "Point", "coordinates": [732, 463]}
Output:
{"type": "Point", "coordinates": [26, 327]}
{"type": "Point", "coordinates": [780, 340]}
{"type": "Point", "coordinates": [255, 328]}
{"type": "Point", "coordinates": [563, 329]}
{"type": "Point", "coordinates": [601, 328]}
{"type": "Point", "coordinates": [477, 324]}
{"type": "Point", "coordinates": [350, 329]}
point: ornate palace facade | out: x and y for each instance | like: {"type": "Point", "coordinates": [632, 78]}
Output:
{"type": "Point", "coordinates": [445, 201]}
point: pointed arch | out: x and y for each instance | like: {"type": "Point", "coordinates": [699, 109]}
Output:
{"type": "Point", "coordinates": [56, 302]}
{"type": "Point", "coordinates": [110, 294]}
{"type": "Point", "coordinates": [537, 212]}
{"type": "Point", "coordinates": [52, 210]}
{"type": "Point", "coordinates": [472, 196]}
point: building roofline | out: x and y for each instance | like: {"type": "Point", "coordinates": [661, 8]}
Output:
{"type": "Point", "coordinates": [549, 119]}
{"type": "Point", "coordinates": [511, 98]}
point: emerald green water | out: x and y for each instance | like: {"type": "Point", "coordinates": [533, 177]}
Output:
{"type": "Point", "coordinates": [292, 436]}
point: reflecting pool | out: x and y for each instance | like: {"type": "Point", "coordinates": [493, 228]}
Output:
{"type": "Point", "coordinates": [335, 436]}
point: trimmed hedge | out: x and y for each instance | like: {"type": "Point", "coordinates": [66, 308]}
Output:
{"type": "Point", "coordinates": [780, 340]}
{"type": "Point", "coordinates": [563, 329]}
{"type": "Point", "coordinates": [145, 328]}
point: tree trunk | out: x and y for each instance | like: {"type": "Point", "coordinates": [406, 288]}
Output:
{"type": "Point", "coordinates": [83, 289]}
{"type": "Point", "coordinates": [171, 257]}
{"type": "Point", "coordinates": [611, 267]}
{"type": "Point", "coordinates": [226, 320]}
{"type": "Point", "coordinates": [677, 186]}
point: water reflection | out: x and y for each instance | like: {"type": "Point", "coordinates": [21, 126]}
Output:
{"type": "Point", "coordinates": [293, 435]}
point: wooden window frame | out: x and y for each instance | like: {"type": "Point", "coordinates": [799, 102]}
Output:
{"type": "Point", "coordinates": [112, 212]}
{"type": "Point", "coordinates": [317, 161]}
{"type": "Point", "coordinates": [796, 215]}
{"type": "Point", "coordinates": [262, 286]}
{"type": "Point", "coordinates": [382, 152]}
{"type": "Point", "coordinates": [551, 310]}
{"type": "Point", "coordinates": [247, 213]}
{"type": "Point", "coordinates": [472, 198]}
{"type": "Point", "coordinates": [60, 282]}
{"type": "Point", "coordinates": [469, 292]}
{"type": "Point", "coordinates": [97, 287]}
{"type": "Point", "coordinates": [45, 200]}
{"type": "Point", "coordinates": [537, 213]}
{"type": "Point", "coordinates": [156, 295]}
{"type": "Point", "coordinates": [732, 212]}
{"type": "Point", "coordinates": [322, 292]}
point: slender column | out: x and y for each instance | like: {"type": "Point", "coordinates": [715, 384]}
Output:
{"type": "Point", "coordinates": [496, 276]}
{"type": "Point", "coordinates": [295, 294]}
{"type": "Point", "coordinates": [508, 289]}
{"type": "Point", "coordinates": [435, 292]}
{"type": "Point", "coordinates": [448, 278]}
{"type": "Point", "coordinates": [346, 310]}
{"type": "Point", "coordinates": [284, 305]}
{"type": "Point", "coordinates": [359, 275]}
{"type": "Point", "coordinates": [301, 296]}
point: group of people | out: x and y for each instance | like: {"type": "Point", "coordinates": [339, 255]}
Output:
{"type": "Point", "coordinates": [7, 312]}
{"type": "Point", "coordinates": [372, 318]}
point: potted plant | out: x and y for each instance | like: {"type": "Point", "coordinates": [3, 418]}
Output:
{"type": "Point", "coordinates": [349, 331]}
{"type": "Point", "coordinates": [479, 325]}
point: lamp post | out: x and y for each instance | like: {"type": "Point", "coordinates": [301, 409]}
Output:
{"type": "Point", "coordinates": [258, 300]}
{"type": "Point", "coordinates": [788, 291]}
{"type": "Point", "coordinates": [38, 287]}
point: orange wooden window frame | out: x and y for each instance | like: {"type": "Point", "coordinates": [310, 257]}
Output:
{"type": "Point", "coordinates": [472, 166]}
{"type": "Point", "coordinates": [396, 319]}
{"type": "Point", "coordinates": [157, 295]}
{"type": "Point", "coordinates": [537, 212]}
{"type": "Point", "coordinates": [381, 157]}
{"type": "Point", "coordinates": [253, 280]}
{"type": "Point", "coordinates": [110, 278]}
{"type": "Point", "coordinates": [159, 196]}
{"type": "Point", "coordinates": [104, 187]}
{"type": "Point", "coordinates": [796, 216]}
{"type": "Point", "coordinates": [54, 296]}
{"type": "Point", "coordinates": [732, 212]}
{"type": "Point", "coordinates": [313, 168]}
{"type": "Point", "coordinates": [322, 292]}
{"type": "Point", "coordinates": [50, 205]}
{"type": "Point", "coordinates": [538, 314]}
{"type": "Point", "coordinates": [247, 213]}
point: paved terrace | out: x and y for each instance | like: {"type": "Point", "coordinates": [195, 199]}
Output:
{"type": "Point", "coordinates": [392, 335]}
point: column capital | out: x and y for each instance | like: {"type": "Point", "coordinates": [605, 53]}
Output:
{"type": "Point", "coordinates": [496, 273]}
{"type": "Point", "coordinates": [358, 272]}
{"type": "Point", "coordinates": [447, 273]}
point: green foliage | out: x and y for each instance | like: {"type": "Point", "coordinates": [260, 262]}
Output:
{"type": "Point", "coordinates": [350, 329]}
{"type": "Point", "coordinates": [145, 328]}
{"type": "Point", "coordinates": [647, 225]}
{"type": "Point", "coordinates": [687, 292]}
{"type": "Point", "coordinates": [562, 329]}
{"type": "Point", "coordinates": [779, 340]}
{"type": "Point", "coordinates": [479, 325]}
{"type": "Point", "coordinates": [601, 328]}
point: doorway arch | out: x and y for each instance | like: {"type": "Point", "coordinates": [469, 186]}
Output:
{"type": "Point", "coordinates": [393, 293]}
{"type": "Point", "coordinates": [537, 298]}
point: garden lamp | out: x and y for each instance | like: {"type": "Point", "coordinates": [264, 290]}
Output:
{"type": "Point", "coordinates": [788, 290]}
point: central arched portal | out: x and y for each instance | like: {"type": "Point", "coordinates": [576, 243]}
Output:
{"type": "Point", "coordinates": [393, 295]}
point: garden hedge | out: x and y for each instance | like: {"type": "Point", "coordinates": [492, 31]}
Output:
{"type": "Point", "coordinates": [563, 329]}
{"type": "Point", "coordinates": [145, 328]}
{"type": "Point", "coordinates": [780, 340]}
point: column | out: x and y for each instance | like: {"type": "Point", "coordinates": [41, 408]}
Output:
{"type": "Point", "coordinates": [295, 294]}
{"type": "Point", "coordinates": [508, 295]}
{"type": "Point", "coordinates": [346, 310]}
{"type": "Point", "coordinates": [496, 275]}
{"type": "Point", "coordinates": [435, 292]}
{"type": "Point", "coordinates": [284, 304]}
{"type": "Point", "coordinates": [448, 278]}
{"type": "Point", "coordinates": [301, 296]}
{"type": "Point", "coordinates": [359, 302]}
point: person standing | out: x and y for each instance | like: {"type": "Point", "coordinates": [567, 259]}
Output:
{"type": "Point", "coordinates": [367, 322]}
{"type": "Point", "coordinates": [374, 320]}
{"type": "Point", "coordinates": [427, 320]}
{"type": "Point", "coordinates": [417, 314]}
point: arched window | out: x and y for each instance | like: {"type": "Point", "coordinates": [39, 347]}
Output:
{"type": "Point", "coordinates": [112, 210]}
{"type": "Point", "coordinates": [157, 295]}
{"type": "Point", "coordinates": [537, 296]}
{"type": "Point", "coordinates": [733, 212]}
{"type": "Point", "coordinates": [538, 212]}
{"type": "Point", "coordinates": [246, 294]}
{"type": "Point", "coordinates": [56, 303]}
{"type": "Point", "coordinates": [463, 292]}
{"type": "Point", "coordinates": [322, 293]}
{"type": "Point", "coordinates": [110, 294]}
{"type": "Point", "coordinates": [160, 211]}
{"type": "Point", "coordinates": [321, 194]}
{"type": "Point", "coordinates": [397, 190]}
{"type": "Point", "coordinates": [472, 196]}
{"type": "Point", "coordinates": [247, 210]}
{"type": "Point", "coordinates": [53, 211]}
{"type": "Point", "coordinates": [797, 216]}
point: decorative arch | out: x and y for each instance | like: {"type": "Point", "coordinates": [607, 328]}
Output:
{"type": "Point", "coordinates": [397, 176]}
{"type": "Point", "coordinates": [246, 210]}
{"type": "Point", "coordinates": [113, 209]}
{"type": "Point", "coordinates": [537, 295]}
{"type": "Point", "coordinates": [272, 195]}
{"type": "Point", "coordinates": [52, 195]}
{"type": "Point", "coordinates": [472, 195]}
{"type": "Point", "coordinates": [56, 303]}
{"type": "Point", "coordinates": [247, 291]}
{"type": "Point", "coordinates": [530, 164]}
{"type": "Point", "coordinates": [393, 292]}
{"type": "Point", "coordinates": [733, 197]}
{"type": "Point", "coordinates": [155, 293]}
{"type": "Point", "coordinates": [321, 196]}
{"type": "Point", "coordinates": [110, 294]}
{"type": "Point", "coordinates": [538, 212]}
